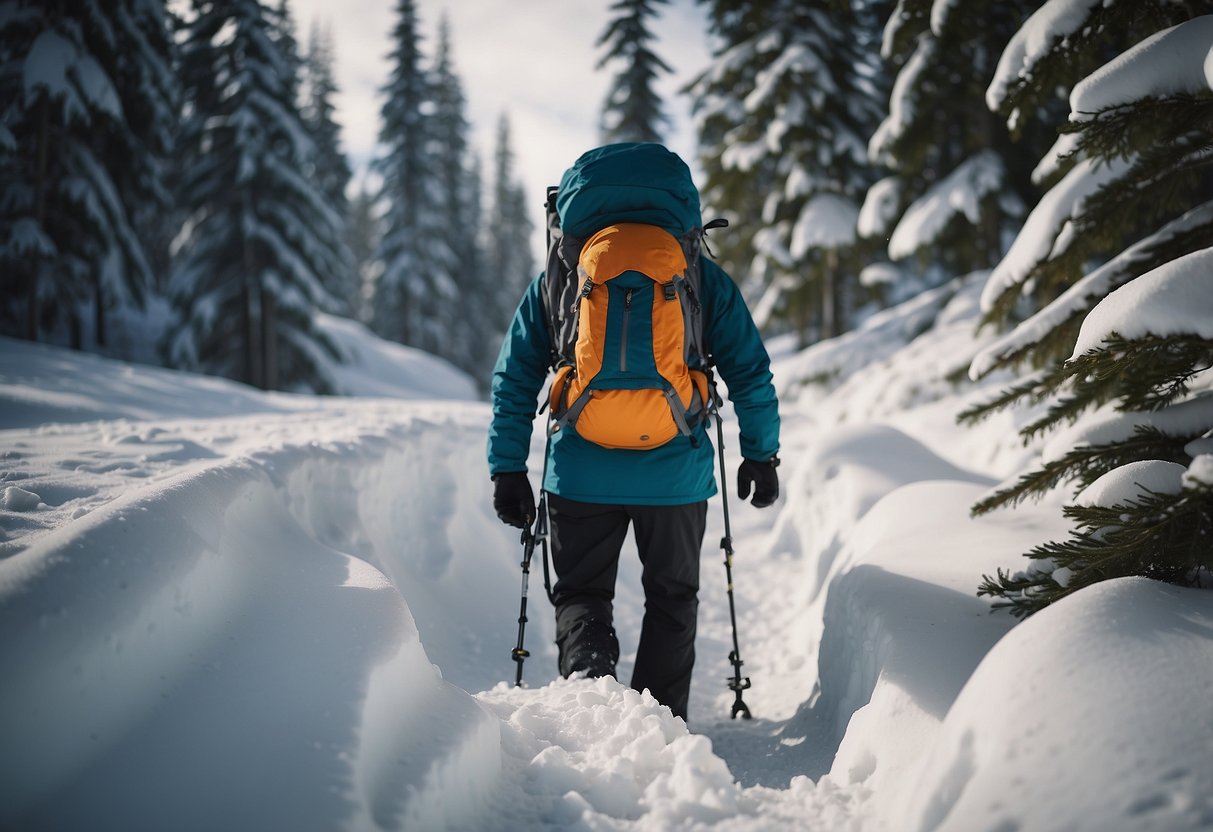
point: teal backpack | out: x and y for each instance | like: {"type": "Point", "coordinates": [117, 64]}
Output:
{"type": "Point", "coordinates": [615, 200]}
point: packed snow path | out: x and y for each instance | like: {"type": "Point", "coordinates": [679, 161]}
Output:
{"type": "Point", "coordinates": [299, 615]}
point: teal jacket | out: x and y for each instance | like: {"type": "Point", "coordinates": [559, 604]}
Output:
{"type": "Point", "coordinates": [678, 472]}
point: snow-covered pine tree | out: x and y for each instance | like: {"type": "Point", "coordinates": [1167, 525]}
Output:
{"type": "Point", "coordinates": [247, 278]}
{"type": "Point", "coordinates": [508, 257]}
{"type": "Point", "coordinates": [1136, 331]}
{"type": "Point", "coordinates": [958, 185]}
{"type": "Point", "coordinates": [632, 111]}
{"type": "Point", "coordinates": [413, 273]}
{"type": "Point", "coordinates": [330, 169]}
{"type": "Point", "coordinates": [68, 250]}
{"type": "Point", "coordinates": [717, 106]}
{"type": "Point", "coordinates": [148, 88]}
{"type": "Point", "coordinates": [805, 127]}
{"type": "Point", "coordinates": [363, 231]}
{"type": "Point", "coordinates": [459, 207]}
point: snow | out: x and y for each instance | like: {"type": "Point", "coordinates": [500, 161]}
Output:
{"type": "Point", "coordinates": [826, 221]}
{"type": "Point", "coordinates": [55, 68]}
{"type": "Point", "coordinates": [1130, 483]}
{"type": "Point", "coordinates": [958, 193]}
{"type": "Point", "coordinates": [1079, 298]}
{"type": "Point", "coordinates": [1085, 686]}
{"type": "Point", "coordinates": [901, 101]}
{"type": "Point", "coordinates": [1062, 150]}
{"type": "Point", "coordinates": [880, 206]}
{"type": "Point", "coordinates": [226, 609]}
{"type": "Point", "coordinates": [1054, 20]}
{"type": "Point", "coordinates": [1200, 472]}
{"type": "Point", "coordinates": [1173, 299]}
{"type": "Point", "coordinates": [1187, 418]}
{"type": "Point", "coordinates": [1171, 62]}
{"type": "Point", "coordinates": [1037, 240]}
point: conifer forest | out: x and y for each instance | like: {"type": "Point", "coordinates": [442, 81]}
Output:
{"type": "Point", "coordinates": [177, 168]}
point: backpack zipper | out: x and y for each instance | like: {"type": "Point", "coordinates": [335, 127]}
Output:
{"type": "Point", "coordinates": [623, 341]}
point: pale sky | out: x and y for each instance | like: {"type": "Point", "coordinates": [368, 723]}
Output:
{"type": "Point", "coordinates": [532, 59]}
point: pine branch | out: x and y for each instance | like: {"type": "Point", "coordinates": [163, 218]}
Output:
{"type": "Point", "coordinates": [1166, 537]}
{"type": "Point", "coordinates": [1142, 374]}
{"type": "Point", "coordinates": [1033, 389]}
{"type": "Point", "coordinates": [1087, 463]}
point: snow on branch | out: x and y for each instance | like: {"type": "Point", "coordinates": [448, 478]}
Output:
{"type": "Point", "coordinates": [1056, 19]}
{"type": "Point", "coordinates": [1174, 299]}
{"type": "Point", "coordinates": [1174, 61]}
{"type": "Point", "coordinates": [1037, 240]}
{"type": "Point", "coordinates": [960, 192]}
{"type": "Point", "coordinates": [1079, 297]}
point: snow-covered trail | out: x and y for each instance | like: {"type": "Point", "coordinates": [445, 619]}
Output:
{"type": "Point", "coordinates": [287, 612]}
{"type": "Point", "coordinates": [203, 588]}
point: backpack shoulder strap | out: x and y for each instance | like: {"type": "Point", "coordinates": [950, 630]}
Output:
{"type": "Point", "coordinates": [559, 285]}
{"type": "Point", "coordinates": [693, 243]}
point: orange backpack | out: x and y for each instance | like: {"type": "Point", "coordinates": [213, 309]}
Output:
{"type": "Point", "coordinates": [626, 322]}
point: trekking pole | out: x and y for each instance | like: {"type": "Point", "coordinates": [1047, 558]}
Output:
{"type": "Point", "coordinates": [529, 539]}
{"type": "Point", "coordinates": [738, 683]}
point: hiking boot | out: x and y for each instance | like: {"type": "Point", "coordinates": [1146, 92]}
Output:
{"type": "Point", "coordinates": [595, 663]}
{"type": "Point", "coordinates": [594, 649]}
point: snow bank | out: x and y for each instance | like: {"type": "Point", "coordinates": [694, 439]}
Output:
{"type": "Point", "coordinates": [1091, 715]}
{"type": "Point", "coordinates": [372, 366]}
{"type": "Point", "coordinates": [207, 619]}
{"type": "Point", "coordinates": [904, 629]}
{"type": "Point", "coordinates": [41, 384]}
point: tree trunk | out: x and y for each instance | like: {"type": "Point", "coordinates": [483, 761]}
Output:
{"type": "Point", "coordinates": [33, 309]}
{"type": "Point", "coordinates": [98, 309]}
{"type": "Point", "coordinates": [831, 297]}
{"type": "Point", "coordinates": [250, 296]}
{"type": "Point", "coordinates": [269, 340]}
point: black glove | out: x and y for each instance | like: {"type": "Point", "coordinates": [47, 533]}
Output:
{"type": "Point", "coordinates": [513, 499]}
{"type": "Point", "coordinates": [763, 477]}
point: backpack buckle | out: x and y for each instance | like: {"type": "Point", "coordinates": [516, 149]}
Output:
{"type": "Point", "coordinates": [670, 292]}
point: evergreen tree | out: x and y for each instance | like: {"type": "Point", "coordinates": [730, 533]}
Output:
{"type": "Point", "coordinates": [508, 256]}
{"type": "Point", "coordinates": [789, 109]}
{"type": "Point", "coordinates": [459, 206]}
{"type": "Point", "coordinates": [68, 249]}
{"type": "Point", "coordinates": [730, 189]}
{"type": "Point", "coordinates": [330, 169]}
{"type": "Point", "coordinates": [151, 98]}
{"type": "Point", "coordinates": [363, 231]}
{"type": "Point", "coordinates": [1136, 198]}
{"type": "Point", "coordinates": [259, 237]}
{"type": "Point", "coordinates": [632, 111]}
{"type": "Point", "coordinates": [412, 275]}
{"type": "Point", "coordinates": [962, 183]}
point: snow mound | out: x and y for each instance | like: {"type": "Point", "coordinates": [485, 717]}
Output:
{"type": "Point", "coordinates": [41, 384]}
{"type": "Point", "coordinates": [595, 747]}
{"type": "Point", "coordinates": [1096, 708]}
{"type": "Point", "coordinates": [242, 619]}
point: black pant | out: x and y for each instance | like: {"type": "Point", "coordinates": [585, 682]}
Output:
{"type": "Point", "coordinates": [586, 541]}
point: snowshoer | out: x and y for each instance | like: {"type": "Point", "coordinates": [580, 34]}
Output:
{"type": "Point", "coordinates": [628, 441]}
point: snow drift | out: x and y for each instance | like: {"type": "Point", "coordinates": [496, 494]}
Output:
{"type": "Point", "coordinates": [221, 609]}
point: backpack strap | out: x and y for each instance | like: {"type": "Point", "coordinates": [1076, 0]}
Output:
{"type": "Point", "coordinates": [559, 290]}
